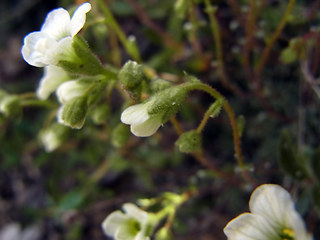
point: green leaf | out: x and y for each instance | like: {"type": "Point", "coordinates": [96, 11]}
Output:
{"type": "Point", "coordinates": [71, 200]}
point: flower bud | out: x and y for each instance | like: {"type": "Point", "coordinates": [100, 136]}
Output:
{"type": "Point", "coordinates": [163, 234]}
{"type": "Point", "coordinates": [120, 135]}
{"type": "Point", "coordinates": [53, 136]}
{"type": "Point", "coordinates": [189, 142]}
{"type": "Point", "coordinates": [10, 105]}
{"type": "Point", "coordinates": [73, 113]}
{"type": "Point", "coordinates": [158, 84]}
{"type": "Point", "coordinates": [131, 77]}
{"type": "Point", "coordinates": [71, 89]}
{"type": "Point", "coordinates": [100, 114]}
{"type": "Point", "coordinates": [167, 102]}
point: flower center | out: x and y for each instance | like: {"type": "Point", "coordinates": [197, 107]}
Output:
{"type": "Point", "coordinates": [287, 234]}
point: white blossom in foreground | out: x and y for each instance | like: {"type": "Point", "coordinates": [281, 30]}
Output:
{"type": "Point", "coordinates": [53, 76]}
{"type": "Point", "coordinates": [54, 41]}
{"type": "Point", "coordinates": [142, 123]}
{"type": "Point", "coordinates": [130, 225]}
{"type": "Point", "coordinates": [272, 217]}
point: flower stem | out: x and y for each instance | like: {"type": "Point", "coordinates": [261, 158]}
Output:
{"type": "Point", "coordinates": [266, 52]}
{"type": "Point", "coordinates": [110, 20]}
{"type": "Point", "coordinates": [233, 122]}
{"type": "Point", "coordinates": [206, 117]}
{"type": "Point", "coordinates": [218, 47]}
{"type": "Point", "coordinates": [38, 103]}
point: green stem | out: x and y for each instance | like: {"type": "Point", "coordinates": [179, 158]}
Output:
{"type": "Point", "coordinates": [38, 103]}
{"type": "Point", "coordinates": [207, 115]}
{"type": "Point", "coordinates": [274, 37]}
{"type": "Point", "coordinates": [110, 20]}
{"type": "Point", "coordinates": [233, 122]}
{"type": "Point", "coordinates": [218, 47]}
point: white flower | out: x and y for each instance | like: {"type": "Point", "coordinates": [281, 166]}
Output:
{"type": "Point", "coordinates": [272, 217]}
{"type": "Point", "coordinates": [53, 76]}
{"type": "Point", "coordinates": [142, 123]}
{"type": "Point", "coordinates": [53, 136]}
{"type": "Point", "coordinates": [71, 89]}
{"type": "Point", "coordinates": [55, 37]}
{"type": "Point", "coordinates": [131, 225]}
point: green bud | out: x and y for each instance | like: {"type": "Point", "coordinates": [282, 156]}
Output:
{"type": "Point", "coordinates": [181, 7]}
{"type": "Point", "coordinates": [10, 105]}
{"type": "Point", "coordinates": [73, 113]}
{"type": "Point", "coordinates": [120, 135]}
{"type": "Point", "coordinates": [158, 84]}
{"type": "Point", "coordinates": [83, 62]}
{"type": "Point", "coordinates": [294, 51]}
{"type": "Point", "coordinates": [163, 234]}
{"type": "Point", "coordinates": [100, 114]}
{"type": "Point", "coordinates": [131, 76]}
{"type": "Point", "coordinates": [288, 55]}
{"type": "Point", "coordinates": [189, 142]}
{"type": "Point", "coordinates": [167, 102]}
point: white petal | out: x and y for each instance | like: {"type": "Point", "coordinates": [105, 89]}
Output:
{"type": "Point", "coordinates": [249, 226]}
{"type": "Point", "coordinates": [111, 224]}
{"type": "Point", "coordinates": [141, 236]}
{"type": "Point", "coordinates": [135, 114]}
{"type": "Point", "coordinates": [35, 48]}
{"type": "Point", "coordinates": [79, 18]}
{"type": "Point", "coordinates": [134, 212]}
{"type": "Point", "coordinates": [57, 24]}
{"type": "Point", "coordinates": [59, 116]}
{"type": "Point", "coordinates": [53, 76]}
{"type": "Point", "coordinates": [63, 50]}
{"type": "Point", "coordinates": [147, 128]}
{"type": "Point", "coordinates": [272, 202]}
{"type": "Point", "coordinates": [69, 90]}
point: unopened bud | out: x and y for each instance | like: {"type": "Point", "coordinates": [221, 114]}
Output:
{"type": "Point", "coordinates": [100, 114]}
{"type": "Point", "coordinates": [167, 102]}
{"type": "Point", "coordinates": [120, 135]}
{"type": "Point", "coordinates": [189, 142]}
{"type": "Point", "coordinates": [131, 76]}
{"type": "Point", "coordinates": [10, 105]}
{"type": "Point", "coordinates": [73, 113]}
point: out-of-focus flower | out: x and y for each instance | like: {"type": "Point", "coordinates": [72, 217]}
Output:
{"type": "Point", "coordinates": [272, 217]}
{"type": "Point", "coordinates": [53, 76]}
{"type": "Point", "coordinates": [130, 225]}
{"type": "Point", "coordinates": [53, 136]}
{"type": "Point", "coordinates": [54, 41]}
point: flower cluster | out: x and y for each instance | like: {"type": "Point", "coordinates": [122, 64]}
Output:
{"type": "Point", "coordinates": [272, 216]}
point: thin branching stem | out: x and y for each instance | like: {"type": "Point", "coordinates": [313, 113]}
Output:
{"type": "Point", "coordinates": [233, 123]}
{"type": "Point", "coordinates": [215, 28]}
{"type": "Point", "coordinates": [266, 52]}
